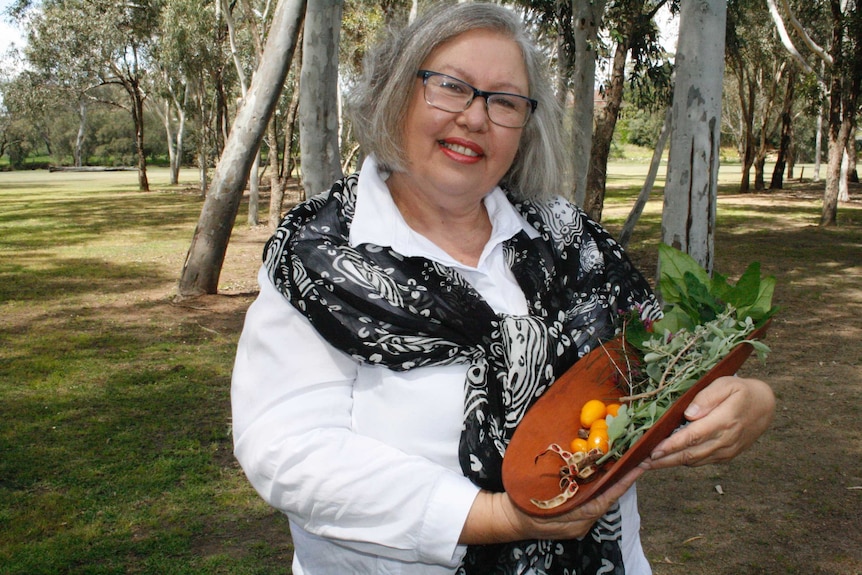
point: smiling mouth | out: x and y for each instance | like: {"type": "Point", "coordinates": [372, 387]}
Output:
{"type": "Point", "coordinates": [463, 150]}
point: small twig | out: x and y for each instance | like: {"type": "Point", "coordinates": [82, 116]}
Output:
{"type": "Point", "coordinates": [663, 383]}
{"type": "Point", "coordinates": [207, 329]}
{"type": "Point", "coordinates": [629, 383]}
{"type": "Point", "coordinates": [614, 362]}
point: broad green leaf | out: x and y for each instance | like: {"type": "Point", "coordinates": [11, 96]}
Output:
{"type": "Point", "coordinates": [762, 307]}
{"type": "Point", "coordinates": [673, 265]}
{"type": "Point", "coordinates": [674, 320]}
{"type": "Point", "coordinates": [746, 290]}
{"type": "Point", "coordinates": [704, 307]}
{"type": "Point", "coordinates": [719, 287]}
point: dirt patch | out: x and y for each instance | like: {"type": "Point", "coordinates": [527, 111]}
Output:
{"type": "Point", "coordinates": [792, 503]}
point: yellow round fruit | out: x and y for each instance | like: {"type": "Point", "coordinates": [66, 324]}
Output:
{"type": "Point", "coordinates": [598, 439]}
{"type": "Point", "coordinates": [591, 411]}
{"type": "Point", "coordinates": [579, 445]}
{"type": "Point", "coordinates": [599, 424]}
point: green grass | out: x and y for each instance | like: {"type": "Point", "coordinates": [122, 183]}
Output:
{"type": "Point", "coordinates": [115, 448]}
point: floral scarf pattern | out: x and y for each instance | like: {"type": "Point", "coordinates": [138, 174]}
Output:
{"type": "Point", "coordinates": [401, 312]}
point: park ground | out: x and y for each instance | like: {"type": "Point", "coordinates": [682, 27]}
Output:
{"type": "Point", "coordinates": [115, 452]}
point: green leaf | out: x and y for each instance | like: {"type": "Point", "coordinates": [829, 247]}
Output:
{"type": "Point", "coordinates": [636, 332]}
{"type": "Point", "coordinates": [719, 287]}
{"type": "Point", "coordinates": [704, 307]}
{"type": "Point", "coordinates": [674, 320]}
{"type": "Point", "coordinates": [762, 308]}
{"type": "Point", "coordinates": [673, 265]}
{"type": "Point", "coordinates": [747, 288]}
{"type": "Point", "coordinates": [618, 424]}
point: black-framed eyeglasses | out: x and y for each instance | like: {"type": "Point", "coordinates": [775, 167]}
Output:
{"type": "Point", "coordinates": [453, 95]}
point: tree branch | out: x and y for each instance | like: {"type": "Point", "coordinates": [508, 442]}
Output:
{"type": "Point", "coordinates": [812, 45]}
{"type": "Point", "coordinates": [785, 38]}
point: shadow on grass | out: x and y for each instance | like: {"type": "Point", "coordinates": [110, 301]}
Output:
{"type": "Point", "coordinates": [44, 278]}
{"type": "Point", "coordinates": [119, 452]}
{"type": "Point", "coordinates": [115, 446]}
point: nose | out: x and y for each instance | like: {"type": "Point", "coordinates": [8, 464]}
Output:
{"type": "Point", "coordinates": [475, 117]}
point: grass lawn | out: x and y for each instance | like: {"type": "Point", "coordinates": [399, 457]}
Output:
{"type": "Point", "coordinates": [115, 446]}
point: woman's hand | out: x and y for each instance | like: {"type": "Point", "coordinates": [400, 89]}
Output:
{"type": "Point", "coordinates": [725, 418]}
{"type": "Point", "coordinates": [495, 519]}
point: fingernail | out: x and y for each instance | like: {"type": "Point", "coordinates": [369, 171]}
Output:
{"type": "Point", "coordinates": [657, 455]}
{"type": "Point", "coordinates": [692, 410]}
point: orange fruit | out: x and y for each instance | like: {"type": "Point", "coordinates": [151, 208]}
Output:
{"type": "Point", "coordinates": [579, 445]}
{"type": "Point", "coordinates": [613, 409]}
{"type": "Point", "coordinates": [598, 439]}
{"type": "Point", "coordinates": [599, 424]}
{"type": "Point", "coordinates": [592, 410]}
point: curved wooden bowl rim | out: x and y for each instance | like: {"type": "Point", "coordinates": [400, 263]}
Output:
{"type": "Point", "coordinates": [554, 418]}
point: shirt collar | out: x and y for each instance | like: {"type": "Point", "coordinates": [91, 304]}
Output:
{"type": "Point", "coordinates": [377, 221]}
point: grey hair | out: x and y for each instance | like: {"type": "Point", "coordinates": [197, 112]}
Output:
{"type": "Point", "coordinates": [378, 103]}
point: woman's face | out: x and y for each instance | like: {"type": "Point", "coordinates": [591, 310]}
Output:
{"type": "Point", "coordinates": [464, 155]}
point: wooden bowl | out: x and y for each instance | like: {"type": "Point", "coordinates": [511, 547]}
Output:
{"type": "Point", "coordinates": [555, 418]}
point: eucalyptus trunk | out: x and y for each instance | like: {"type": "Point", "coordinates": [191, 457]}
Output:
{"type": "Point", "coordinates": [605, 124]}
{"type": "Point", "coordinates": [206, 254]}
{"type": "Point", "coordinates": [586, 19]}
{"type": "Point", "coordinates": [841, 107]}
{"type": "Point", "coordinates": [82, 130]}
{"type": "Point", "coordinates": [318, 100]}
{"type": "Point", "coordinates": [784, 147]}
{"type": "Point", "coordinates": [688, 219]}
{"type": "Point", "coordinates": [277, 180]}
{"type": "Point", "coordinates": [138, 119]}
{"type": "Point", "coordinates": [646, 189]}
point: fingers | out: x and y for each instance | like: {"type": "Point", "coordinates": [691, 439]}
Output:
{"type": "Point", "coordinates": [578, 522]}
{"type": "Point", "coordinates": [725, 419]}
{"type": "Point", "coordinates": [692, 447]}
{"type": "Point", "coordinates": [597, 507]}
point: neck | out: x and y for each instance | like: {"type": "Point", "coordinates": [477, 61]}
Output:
{"type": "Point", "coordinates": [460, 226]}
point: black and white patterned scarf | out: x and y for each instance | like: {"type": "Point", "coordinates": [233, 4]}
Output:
{"type": "Point", "coordinates": [401, 312]}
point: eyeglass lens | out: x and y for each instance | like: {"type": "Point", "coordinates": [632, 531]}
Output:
{"type": "Point", "coordinates": [452, 95]}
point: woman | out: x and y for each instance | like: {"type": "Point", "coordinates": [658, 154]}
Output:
{"type": "Point", "coordinates": [408, 317]}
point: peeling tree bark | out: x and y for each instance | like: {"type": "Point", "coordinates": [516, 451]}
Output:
{"type": "Point", "coordinates": [688, 220]}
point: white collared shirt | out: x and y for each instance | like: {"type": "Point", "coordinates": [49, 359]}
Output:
{"type": "Point", "coordinates": [362, 459]}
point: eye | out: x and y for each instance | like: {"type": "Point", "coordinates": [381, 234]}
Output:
{"type": "Point", "coordinates": [453, 86]}
{"type": "Point", "coordinates": [513, 103]}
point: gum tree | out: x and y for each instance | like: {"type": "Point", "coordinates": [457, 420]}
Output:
{"type": "Point", "coordinates": [318, 97]}
{"type": "Point", "coordinates": [105, 43]}
{"type": "Point", "coordinates": [691, 191]}
{"type": "Point", "coordinates": [206, 254]}
{"type": "Point", "coordinates": [839, 54]}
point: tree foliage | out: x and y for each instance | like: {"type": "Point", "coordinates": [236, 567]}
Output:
{"type": "Point", "coordinates": [827, 35]}
{"type": "Point", "coordinates": [87, 46]}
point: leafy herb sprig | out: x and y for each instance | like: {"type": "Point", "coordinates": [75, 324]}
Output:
{"type": "Point", "coordinates": [704, 319]}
